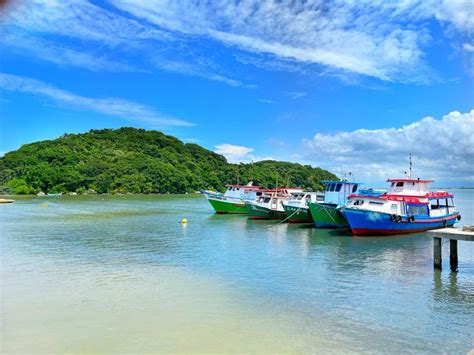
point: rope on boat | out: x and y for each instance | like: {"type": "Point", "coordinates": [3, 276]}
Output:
{"type": "Point", "coordinates": [283, 220]}
{"type": "Point", "coordinates": [329, 214]}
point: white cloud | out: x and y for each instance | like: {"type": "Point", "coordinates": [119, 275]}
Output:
{"type": "Point", "coordinates": [266, 101]}
{"type": "Point", "coordinates": [296, 95]}
{"type": "Point", "coordinates": [239, 153]}
{"type": "Point", "coordinates": [468, 47]}
{"type": "Point", "coordinates": [110, 106]}
{"type": "Point", "coordinates": [381, 39]}
{"type": "Point", "coordinates": [195, 70]}
{"type": "Point", "coordinates": [365, 37]}
{"type": "Point", "coordinates": [460, 13]}
{"type": "Point", "coordinates": [442, 149]}
{"type": "Point", "coordinates": [234, 153]}
{"type": "Point", "coordinates": [80, 19]}
{"type": "Point", "coordinates": [63, 56]}
{"type": "Point", "coordinates": [37, 27]}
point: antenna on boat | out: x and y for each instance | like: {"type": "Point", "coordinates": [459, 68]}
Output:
{"type": "Point", "coordinates": [409, 157]}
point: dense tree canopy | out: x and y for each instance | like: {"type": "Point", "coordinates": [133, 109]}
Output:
{"type": "Point", "coordinates": [130, 160]}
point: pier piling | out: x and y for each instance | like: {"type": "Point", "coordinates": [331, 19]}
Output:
{"type": "Point", "coordinates": [437, 242]}
{"type": "Point", "coordinates": [453, 254]}
{"type": "Point", "coordinates": [453, 234]}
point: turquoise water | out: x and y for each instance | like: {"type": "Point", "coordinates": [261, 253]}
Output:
{"type": "Point", "coordinates": [120, 273]}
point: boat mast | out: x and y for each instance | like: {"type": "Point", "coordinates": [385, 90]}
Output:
{"type": "Point", "coordinates": [409, 157]}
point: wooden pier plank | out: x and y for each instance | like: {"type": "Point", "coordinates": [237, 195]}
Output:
{"type": "Point", "coordinates": [452, 233]}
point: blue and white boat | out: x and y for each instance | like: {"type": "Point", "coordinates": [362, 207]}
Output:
{"type": "Point", "coordinates": [408, 207]}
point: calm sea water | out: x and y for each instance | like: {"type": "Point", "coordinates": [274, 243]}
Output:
{"type": "Point", "coordinates": [121, 274]}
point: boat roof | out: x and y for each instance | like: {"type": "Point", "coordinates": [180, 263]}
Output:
{"type": "Point", "coordinates": [285, 189]}
{"type": "Point", "coordinates": [406, 198]}
{"type": "Point", "coordinates": [246, 186]}
{"type": "Point", "coordinates": [339, 182]}
{"type": "Point", "coordinates": [408, 180]}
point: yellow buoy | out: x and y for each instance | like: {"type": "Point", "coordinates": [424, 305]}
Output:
{"type": "Point", "coordinates": [184, 221]}
{"type": "Point", "coordinates": [44, 205]}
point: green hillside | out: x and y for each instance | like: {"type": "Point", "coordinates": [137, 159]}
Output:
{"type": "Point", "coordinates": [130, 160]}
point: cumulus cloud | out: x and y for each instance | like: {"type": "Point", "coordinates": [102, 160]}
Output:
{"type": "Point", "coordinates": [234, 153]}
{"type": "Point", "coordinates": [238, 153]}
{"type": "Point", "coordinates": [441, 148]}
{"type": "Point", "coordinates": [110, 106]}
{"type": "Point", "coordinates": [468, 47]}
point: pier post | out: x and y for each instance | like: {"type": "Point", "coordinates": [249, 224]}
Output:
{"type": "Point", "coordinates": [453, 254]}
{"type": "Point", "coordinates": [437, 253]}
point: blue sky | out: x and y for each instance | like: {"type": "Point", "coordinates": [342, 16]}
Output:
{"type": "Point", "coordinates": [348, 86]}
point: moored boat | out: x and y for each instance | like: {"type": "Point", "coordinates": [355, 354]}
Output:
{"type": "Point", "coordinates": [270, 204]}
{"type": "Point", "coordinates": [6, 200]}
{"type": "Point", "coordinates": [234, 199]}
{"type": "Point", "coordinates": [408, 207]}
{"type": "Point", "coordinates": [297, 209]}
{"type": "Point", "coordinates": [327, 214]}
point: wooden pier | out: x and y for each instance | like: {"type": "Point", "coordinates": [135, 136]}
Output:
{"type": "Point", "coordinates": [453, 234]}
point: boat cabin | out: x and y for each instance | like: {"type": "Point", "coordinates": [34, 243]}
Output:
{"type": "Point", "coordinates": [303, 198]}
{"type": "Point", "coordinates": [409, 187]}
{"type": "Point", "coordinates": [244, 192]}
{"type": "Point", "coordinates": [272, 198]}
{"type": "Point", "coordinates": [337, 192]}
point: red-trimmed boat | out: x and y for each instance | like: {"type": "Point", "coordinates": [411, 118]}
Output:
{"type": "Point", "coordinates": [408, 207]}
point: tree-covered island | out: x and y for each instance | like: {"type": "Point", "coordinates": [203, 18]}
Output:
{"type": "Point", "coordinates": [131, 160]}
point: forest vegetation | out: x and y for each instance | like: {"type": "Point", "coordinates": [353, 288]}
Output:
{"type": "Point", "coordinates": [131, 160]}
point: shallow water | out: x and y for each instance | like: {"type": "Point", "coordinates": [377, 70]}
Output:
{"type": "Point", "coordinates": [120, 273]}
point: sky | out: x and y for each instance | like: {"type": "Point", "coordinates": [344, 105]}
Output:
{"type": "Point", "coordinates": [349, 86]}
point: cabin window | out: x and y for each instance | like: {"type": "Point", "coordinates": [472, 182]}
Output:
{"type": "Point", "coordinates": [267, 199]}
{"type": "Point", "coordinates": [434, 204]}
{"type": "Point", "coordinates": [238, 188]}
{"type": "Point", "coordinates": [354, 189]}
{"type": "Point", "coordinates": [394, 207]}
{"type": "Point", "coordinates": [393, 184]}
{"type": "Point", "coordinates": [358, 202]}
{"type": "Point", "coordinates": [338, 187]}
{"type": "Point", "coordinates": [375, 203]}
{"type": "Point", "coordinates": [259, 194]}
{"type": "Point", "coordinates": [417, 210]}
{"type": "Point", "coordinates": [400, 184]}
{"type": "Point", "coordinates": [332, 187]}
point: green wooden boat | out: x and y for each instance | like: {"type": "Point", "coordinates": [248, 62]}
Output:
{"type": "Point", "coordinates": [296, 208]}
{"type": "Point", "coordinates": [234, 199]}
{"type": "Point", "coordinates": [270, 204]}
{"type": "Point", "coordinates": [327, 216]}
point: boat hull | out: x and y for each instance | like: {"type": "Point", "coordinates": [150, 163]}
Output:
{"type": "Point", "coordinates": [363, 222]}
{"type": "Point", "coordinates": [228, 207]}
{"type": "Point", "coordinates": [327, 216]}
{"type": "Point", "coordinates": [260, 212]}
{"type": "Point", "coordinates": [298, 214]}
